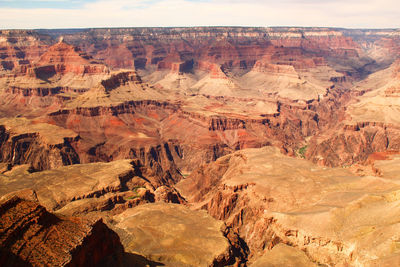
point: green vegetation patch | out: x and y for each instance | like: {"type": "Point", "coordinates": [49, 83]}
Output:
{"type": "Point", "coordinates": [135, 190]}
{"type": "Point", "coordinates": [133, 197]}
{"type": "Point", "coordinates": [302, 152]}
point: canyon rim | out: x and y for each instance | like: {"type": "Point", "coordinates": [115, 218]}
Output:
{"type": "Point", "coordinates": [199, 146]}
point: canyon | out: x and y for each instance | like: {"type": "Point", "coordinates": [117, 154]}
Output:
{"type": "Point", "coordinates": [201, 146]}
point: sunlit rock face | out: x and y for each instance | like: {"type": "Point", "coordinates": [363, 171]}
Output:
{"type": "Point", "coordinates": [274, 145]}
{"type": "Point", "coordinates": [31, 236]}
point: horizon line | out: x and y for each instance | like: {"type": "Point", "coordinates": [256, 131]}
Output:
{"type": "Point", "coordinates": [188, 27]}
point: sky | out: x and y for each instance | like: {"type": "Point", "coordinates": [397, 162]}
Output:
{"type": "Point", "coordinates": [34, 14]}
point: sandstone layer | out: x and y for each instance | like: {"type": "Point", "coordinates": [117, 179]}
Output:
{"type": "Point", "coordinates": [175, 235]}
{"type": "Point", "coordinates": [334, 216]}
{"type": "Point", "coordinates": [245, 122]}
{"type": "Point", "coordinates": [157, 233]}
{"type": "Point", "coordinates": [80, 189]}
{"type": "Point", "coordinates": [236, 87]}
{"type": "Point", "coordinates": [41, 145]}
{"type": "Point", "coordinates": [31, 236]}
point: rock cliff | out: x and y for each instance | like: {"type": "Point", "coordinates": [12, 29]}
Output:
{"type": "Point", "coordinates": [330, 214]}
{"type": "Point", "coordinates": [31, 236]}
{"type": "Point", "coordinates": [110, 122]}
{"type": "Point", "coordinates": [41, 145]}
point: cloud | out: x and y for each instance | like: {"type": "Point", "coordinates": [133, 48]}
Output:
{"type": "Point", "coordinates": [140, 13]}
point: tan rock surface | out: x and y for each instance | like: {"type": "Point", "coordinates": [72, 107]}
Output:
{"type": "Point", "coordinates": [336, 217]}
{"type": "Point", "coordinates": [31, 236]}
{"type": "Point", "coordinates": [173, 235]}
{"type": "Point", "coordinates": [173, 99]}
{"type": "Point", "coordinates": [51, 134]}
{"type": "Point", "coordinates": [95, 189]}
{"type": "Point", "coordinates": [55, 188]}
{"type": "Point", "coordinates": [42, 145]}
{"type": "Point", "coordinates": [283, 255]}
{"type": "Point", "coordinates": [381, 102]}
{"type": "Point", "coordinates": [370, 123]}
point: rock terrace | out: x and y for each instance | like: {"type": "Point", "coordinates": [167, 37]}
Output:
{"type": "Point", "coordinates": [204, 146]}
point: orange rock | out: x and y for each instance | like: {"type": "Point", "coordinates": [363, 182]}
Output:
{"type": "Point", "coordinates": [29, 235]}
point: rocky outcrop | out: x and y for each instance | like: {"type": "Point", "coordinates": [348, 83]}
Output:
{"type": "Point", "coordinates": [18, 48]}
{"type": "Point", "coordinates": [286, 60]}
{"type": "Point", "coordinates": [60, 58]}
{"type": "Point", "coordinates": [31, 236]}
{"type": "Point", "coordinates": [354, 144]}
{"type": "Point", "coordinates": [176, 63]}
{"type": "Point", "coordinates": [62, 73]}
{"type": "Point", "coordinates": [41, 92]}
{"type": "Point", "coordinates": [190, 97]}
{"type": "Point", "coordinates": [274, 68]}
{"type": "Point", "coordinates": [178, 67]}
{"type": "Point", "coordinates": [176, 236]}
{"type": "Point", "coordinates": [120, 79]}
{"type": "Point", "coordinates": [213, 69]}
{"type": "Point", "coordinates": [108, 187]}
{"type": "Point", "coordinates": [116, 56]}
{"type": "Point", "coordinates": [327, 42]}
{"type": "Point", "coordinates": [42, 146]}
{"type": "Point", "coordinates": [283, 255]}
{"type": "Point", "coordinates": [270, 199]}
{"type": "Point", "coordinates": [63, 58]}
{"type": "Point", "coordinates": [233, 48]}
{"type": "Point", "coordinates": [369, 123]}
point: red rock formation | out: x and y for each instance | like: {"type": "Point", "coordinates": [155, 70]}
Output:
{"type": "Point", "coordinates": [36, 149]}
{"type": "Point", "coordinates": [20, 47]}
{"type": "Point", "coordinates": [391, 44]}
{"type": "Point", "coordinates": [175, 64]}
{"type": "Point", "coordinates": [325, 41]}
{"type": "Point", "coordinates": [170, 131]}
{"type": "Point", "coordinates": [353, 144]}
{"type": "Point", "coordinates": [29, 235]}
{"type": "Point", "coordinates": [367, 127]}
{"type": "Point", "coordinates": [120, 79]}
{"type": "Point", "coordinates": [212, 68]}
{"type": "Point", "coordinates": [289, 126]}
{"type": "Point", "coordinates": [118, 56]}
{"type": "Point", "coordinates": [62, 58]}
{"type": "Point", "coordinates": [293, 56]}
{"type": "Point", "coordinates": [233, 48]}
{"type": "Point", "coordinates": [43, 86]}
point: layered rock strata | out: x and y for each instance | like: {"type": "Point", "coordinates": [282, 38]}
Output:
{"type": "Point", "coordinates": [176, 236]}
{"type": "Point", "coordinates": [333, 215]}
{"type": "Point", "coordinates": [31, 236]}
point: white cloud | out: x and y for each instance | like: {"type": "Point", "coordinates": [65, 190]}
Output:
{"type": "Point", "coordinates": [133, 13]}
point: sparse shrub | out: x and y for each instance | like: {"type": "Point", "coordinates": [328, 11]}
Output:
{"type": "Point", "coordinates": [302, 152]}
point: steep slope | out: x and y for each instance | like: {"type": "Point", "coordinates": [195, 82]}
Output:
{"type": "Point", "coordinates": [61, 59]}
{"type": "Point", "coordinates": [19, 48]}
{"type": "Point", "coordinates": [142, 108]}
{"type": "Point", "coordinates": [283, 255]}
{"type": "Point", "coordinates": [42, 145]}
{"type": "Point", "coordinates": [31, 236]}
{"type": "Point", "coordinates": [371, 123]}
{"type": "Point", "coordinates": [84, 188]}
{"type": "Point", "coordinates": [151, 233]}
{"type": "Point", "coordinates": [332, 215]}
{"type": "Point", "coordinates": [60, 74]}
